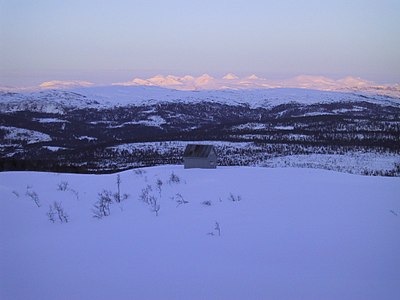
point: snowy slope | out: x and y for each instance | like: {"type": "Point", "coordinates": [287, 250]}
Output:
{"type": "Point", "coordinates": [110, 96]}
{"type": "Point", "coordinates": [295, 234]}
{"type": "Point", "coordinates": [26, 135]}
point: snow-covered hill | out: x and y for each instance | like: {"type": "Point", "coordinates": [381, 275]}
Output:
{"type": "Point", "coordinates": [139, 95]}
{"type": "Point", "coordinates": [110, 96]}
{"type": "Point", "coordinates": [77, 127]}
{"type": "Point", "coordinates": [290, 234]}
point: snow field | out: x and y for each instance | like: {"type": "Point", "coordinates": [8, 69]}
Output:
{"type": "Point", "coordinates": [295, 234]}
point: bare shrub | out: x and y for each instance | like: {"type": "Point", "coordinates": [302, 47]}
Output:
{"type": "Point", "coordinates": [145, 194]}
{"type": "Point", "coordinates": [154, 205]}
{"type": "Point", "coordinates": [51, 214]}
{"type": "Point", "coordinates": [102, 206]}
{"type": "Point", "coordinates": [117, 196]}
{"type": "Point", "coordinates": [34, 196]}
{"type": "Point", "coordinates": [173, 178]}
{"type": "Point", "coordinates": [217, 230]}
{"type": "Point", "coordinates": [159, 185]}
{"type": "Point", "coordinates": [75, 193]}
{"type": "Point", "coordinates": [16, 194]}
{"type": "Point", "coordinates": [234, 198]}
{"type": "Point", "coordinates": [206, 203]}
{"type": "Point", "coordinates": [139, 172]}
{"type": "Point", "coordinates": [56, 210]}
{"type": "Point", "coordinates": [62, 186]}
{"type": "Point", "coordinates": [62, 216]}
{"type": "Point", "coordinates": [180, 200]}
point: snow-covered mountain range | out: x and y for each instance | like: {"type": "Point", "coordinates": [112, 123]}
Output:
{"type": "Point", "coordinates": [111, 96]}
{"type": "Point", "coordinates": [232, 82]}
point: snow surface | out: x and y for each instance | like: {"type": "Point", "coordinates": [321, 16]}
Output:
{"type": "Point", "coordinates": [251, 126]}
{"type": "Point", "coordinates": [54, 148]}
{"type": "Point", "coordinates": [284, 127]}
{"type": "Point", "coordinates": [154, 121]}
{"type": "Point", "coordinates": [88, 138]}
{"type": "Point", "coordinates": [295, 234]}
{"type": "Point", "coordinates": [50, 120]}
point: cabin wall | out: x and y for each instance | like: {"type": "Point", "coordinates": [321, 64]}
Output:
{"type": "Point", "coordinates": [212, 159]}
{"type": "Point", "coordinates": [203, 163]}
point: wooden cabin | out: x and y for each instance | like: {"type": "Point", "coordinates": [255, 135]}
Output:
{"type": "Point", "coordinates": [200, 156]}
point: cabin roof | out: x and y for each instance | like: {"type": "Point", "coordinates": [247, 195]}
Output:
{"type": "Point", "coordinates": [197, 151]}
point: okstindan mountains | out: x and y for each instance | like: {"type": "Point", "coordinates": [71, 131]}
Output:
{"type": "Point", "coordinates": [110, 128]}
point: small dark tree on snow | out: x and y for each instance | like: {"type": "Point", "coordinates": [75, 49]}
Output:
{"type": "Point", "coordinates": [76, 194]}
{"type": "Point", "coordinates": [62, 216]}
{"type": "Point", "coordinates": [117, 196]}
{"type": "Point", "coordinates": [206, 203]}
{"type": "Point", "coordinates": [51, 214]}
{"type": "Point", "coordinates": [139, 172]}
{"type": "Point", "coordinates": [217, 228]}
{"type": "Point", "coordinates": [173, 178]}
{"type": "Point", "coordinates": [102, 206]}
{"type": "Point", "coordinates": [34, 196]}
{"type": "Point", "coordinates": [159, 184]}
{"type": "Point", "coordinates": [56, 210]}
{"type": "Point", "coordinates": [154, 205]}
{"type": "Point", "coordinates": [62, 186]}
{"type": "Point", "coordinates": [145, 194]}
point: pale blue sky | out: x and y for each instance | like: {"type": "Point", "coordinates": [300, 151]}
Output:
{"type": "Point", "coordinates": [106, 41]}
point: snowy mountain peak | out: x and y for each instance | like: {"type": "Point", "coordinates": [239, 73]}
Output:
{"type": "Point", "coordinates": [59, 84]}
{"type": "Point", "coordinates": [203, 79]}
{"type": "Point", "coordinates": [253, 77]}
{"type": "Point", "coordinates": [234, 82]}
{"type": "Point", "coordinates": [355, 81]}
{"type": "Point", "coordinates": [230, 76]}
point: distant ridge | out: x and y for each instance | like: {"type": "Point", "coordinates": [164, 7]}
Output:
{"type": "Point", "coordinates": [231, 82]}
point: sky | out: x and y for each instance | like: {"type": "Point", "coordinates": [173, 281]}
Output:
{"type": "Point", "coordinates": [111, 41]}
